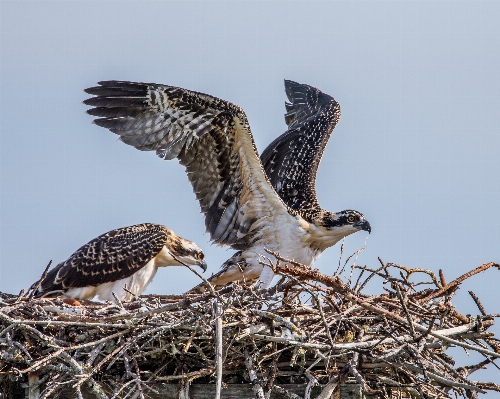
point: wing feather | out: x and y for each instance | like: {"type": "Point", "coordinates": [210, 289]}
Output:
{"type": "Point", "coordinates": [209, 136]}
{"type": "Point", "coordinates": [111, 256]}
{"type": "Point", "coordinates": [291, 161]}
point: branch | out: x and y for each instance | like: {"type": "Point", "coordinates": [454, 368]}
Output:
{"type": "Point", "coordinates": [217, 309]}
{"type": "Point", "coordinates": [253, 377]}
{"type": "Point", "coordinates": [448, 287]}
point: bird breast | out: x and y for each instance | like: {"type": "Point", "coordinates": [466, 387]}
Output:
{"type": "Point", "coordinates": [290, 237]}
{"type": "Point", "coordinates": [136, 283]}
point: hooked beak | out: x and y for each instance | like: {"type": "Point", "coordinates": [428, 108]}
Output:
{"type": "Point", "coordinates": [203, 265]}
{"type": "Point", "coordinates": [365, 225]}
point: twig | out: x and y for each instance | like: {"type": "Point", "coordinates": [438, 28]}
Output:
{"type": "Point", "coordinates": [310, 385]}
{"type": "Point", "coordinates": [207, 283]}
{"type": "Point", "coordinates": [313, 319]}
{"type": "Point", "coordinates": [328, 389]}
{"type": "Point", "coordinates": [478, 303]}
{"type": "Point", "coordinates": [302, 271]}
{"type": "Point", "coordinates": [20, 295]}
{"type": "Point", "coordinates": [366, 344]}
{"type": "Point", "coordinates": [189, 376]}
{"type": "Point", "coordinates": [457, 281]}
{"type": "Point", "coordinates": [118, 301]}
{"type": "Point", "coordinates": [217, 309]}
{"type": "Point", "coordinates": [253, 377]}
{"type": "Point", "coordinates": [405, 309]}
{"type": "Point", "coordinates": [441, 277]}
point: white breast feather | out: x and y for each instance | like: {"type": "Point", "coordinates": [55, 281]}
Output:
{"type": "Point", "coordinates": [135, 283]}
{"type": "Point", "coordinates": [282, 235]}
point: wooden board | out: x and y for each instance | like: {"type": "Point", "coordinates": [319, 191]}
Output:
{"type": "Point", "coordinates": [205, 391]}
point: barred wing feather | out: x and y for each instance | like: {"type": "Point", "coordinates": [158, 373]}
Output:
{"type": "Point", "coordinates": [210, 137]}
{"type": "Point", "coordinates": [291, 161]}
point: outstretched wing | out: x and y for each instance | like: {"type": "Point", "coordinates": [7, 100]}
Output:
{"type": "Point", "coordinates": [291, 161]}
{"type": "Point", "coordinates": [210, 137]}
{"type": "Point", "coordinates": [110, 257]}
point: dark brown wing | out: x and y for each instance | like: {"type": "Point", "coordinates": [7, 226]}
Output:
{"type": "Point", "coordinates": [112, 256]}
{"type": "Point", "coordinates": [209, 136]}
{"type": "Point", "coordinates": [291, 161]}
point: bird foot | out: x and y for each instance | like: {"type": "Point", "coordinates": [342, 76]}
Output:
{"type": "Point", "coordinates": [71, 301]}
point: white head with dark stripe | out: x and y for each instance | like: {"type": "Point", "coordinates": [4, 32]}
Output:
{"type": "Point", "coordinates": [331, 227]}
{"type": "Point", "coordinates": [345, 222]}
{"type": "Point", "coordinates": [184, 253]}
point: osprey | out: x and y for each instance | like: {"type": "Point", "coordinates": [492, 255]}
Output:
{"type": "Point", "coordinates": [127, 257]}
{"type": "Point", "coordinates": [212, 139]}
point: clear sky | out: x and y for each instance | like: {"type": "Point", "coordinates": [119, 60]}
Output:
{"type": "Point", "coordinates": [416, 149]}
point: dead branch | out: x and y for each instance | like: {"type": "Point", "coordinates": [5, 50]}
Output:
{"type": "Point", "coordinates": [321, 330]}
{"type": "Point", "coordinates": [447, 288]}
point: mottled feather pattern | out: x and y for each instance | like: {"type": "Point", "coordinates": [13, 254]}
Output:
{"type": "Point", "coordinates": [291, 161]}
{"type": "Point", "coordinates": [243, 207]}
{"type": "Point", "coordinates": [200, 130]}
{"type": "Point", "coordinates": [112, 256]}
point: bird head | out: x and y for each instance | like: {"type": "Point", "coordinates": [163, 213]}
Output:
{"type": "Point", "coordinates": [187, 253]}
{"type": "Point", "coordinates": [345, 222]}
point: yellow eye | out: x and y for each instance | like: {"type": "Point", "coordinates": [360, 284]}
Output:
{"type": "Point", "coordinates": [200, 256]}
{"type": "Point", "coordinates": [351, 219]}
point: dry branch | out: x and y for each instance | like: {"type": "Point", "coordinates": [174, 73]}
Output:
{"type": "Point", "coordinates": [310, 329]}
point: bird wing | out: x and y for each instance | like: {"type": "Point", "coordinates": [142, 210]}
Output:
{"type": "Point", "coordinates": [210, 137]}
{"type": "Point", "coordinates": [110, 257]}
{"type": "Point", "coordinates": [291, 161]}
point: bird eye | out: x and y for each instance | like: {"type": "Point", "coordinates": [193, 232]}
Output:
{"type": "Point", "coordinates": [351, 219]}
{"type": "Point", "coordinates": [200, 256]}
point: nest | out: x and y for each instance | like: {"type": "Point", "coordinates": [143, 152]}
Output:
{"type": "Point", "coordinates": [310, 329]}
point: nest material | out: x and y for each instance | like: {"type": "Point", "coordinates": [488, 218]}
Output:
{"type": "Point", "coordinates": [310, 328]}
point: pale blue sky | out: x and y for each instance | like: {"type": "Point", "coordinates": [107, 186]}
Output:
{"type": "Point", "coordinates": [416, 149]}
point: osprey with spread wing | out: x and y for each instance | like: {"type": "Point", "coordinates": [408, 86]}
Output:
{"type": "Point", "coordinates": [243, 207]}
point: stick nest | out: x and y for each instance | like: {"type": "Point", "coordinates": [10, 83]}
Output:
{"type": "Point", "coordinates": [310, 328]}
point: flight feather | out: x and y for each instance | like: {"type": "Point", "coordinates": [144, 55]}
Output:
{"type": "Point", "coordinates": [209, 136]}
{"type": "Point", "coordinates": [243, 208]}
{"type": "Point", "coordinates": [291, 161]}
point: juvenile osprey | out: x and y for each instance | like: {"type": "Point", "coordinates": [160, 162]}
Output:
{"type": "Point", "coordinates": [129, 257]}
{"type": "Point", "coordinates": [212, 139]}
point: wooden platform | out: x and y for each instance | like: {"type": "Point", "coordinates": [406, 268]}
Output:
{"type": "Point", "coordinates": [200, 391]}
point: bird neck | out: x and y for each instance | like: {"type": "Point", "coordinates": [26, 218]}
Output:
{"type": "Point", "coordinates": [318, 237]}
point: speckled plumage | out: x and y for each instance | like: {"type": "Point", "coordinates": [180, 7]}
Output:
{"type": "Point", "coordinates": [212, 139]}
{"type": "Point", "coordinates": [199, 130]}
{"type": "Point", "coordinates": [117, 255]}
{"type": "Point", "coordinates": [291, 161]}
